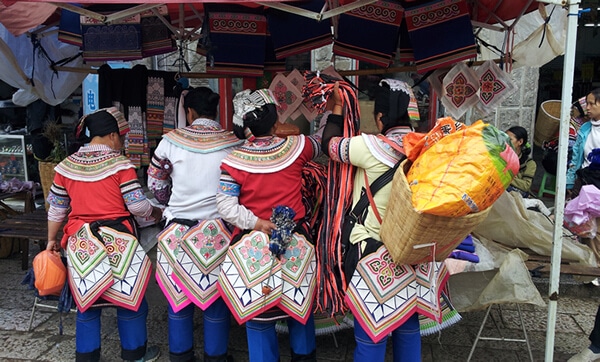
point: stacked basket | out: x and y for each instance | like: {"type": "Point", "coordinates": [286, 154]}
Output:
{"type": "Point", "coordinates": [547, 123]}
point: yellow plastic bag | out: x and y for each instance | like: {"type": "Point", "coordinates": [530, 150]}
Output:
{"type": "Point", "coordinates": [50, 273]}
{"type": "Point", "coordinates": [417, 143]}
{"type": "Point", "coordinates": [463, 172]}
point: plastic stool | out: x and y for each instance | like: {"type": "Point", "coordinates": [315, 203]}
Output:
{"type": "Point", "coordinates": [548, 185]}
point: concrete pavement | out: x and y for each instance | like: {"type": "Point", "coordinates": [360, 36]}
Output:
{"type": "Point", "coordinates": [576, 311]}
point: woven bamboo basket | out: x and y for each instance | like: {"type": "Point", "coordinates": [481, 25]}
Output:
{"type": "Point", "coordinates": [547, 123]}
{"type": "Point", "coordinates": [404, 228]}
{"type": "Point", "coordinates": [46, 178]}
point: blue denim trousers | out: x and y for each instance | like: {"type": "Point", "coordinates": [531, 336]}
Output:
{"type": "Point", "coordinates": [216, 329]}
{"type": "Point", "coordinates": [132, 333]}
{"type": "Point", "coordinates": [262, 339]}
{"type": "Point", "coordinates": [406, 342]}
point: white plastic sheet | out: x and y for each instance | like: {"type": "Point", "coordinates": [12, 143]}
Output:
{"type": "Point", "coordinates": [20, 69]}
{"type": "Point", "coordinates": [511, 224]}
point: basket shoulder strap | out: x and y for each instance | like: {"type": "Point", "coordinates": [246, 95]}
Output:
{"type": "Point", "coordinates": [381, 181]}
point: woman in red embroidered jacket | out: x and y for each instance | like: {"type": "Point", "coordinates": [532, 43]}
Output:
{"type": "Point", "coordinates": [99, 190]}
{"type": "Point", "coordinates": [403, 291]}
{"type": "Point", "coordinates": [264, 278]}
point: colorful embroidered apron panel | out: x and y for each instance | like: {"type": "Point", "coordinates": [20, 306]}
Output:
{"type": "Point", "coordinates": [90, 272]}
{"type": "Point", "coordinates": [198, 266]}
{"type": "Point", "coordinates": [298, 273]}
{"type": "Point", "coordinates": [247, 268]}
{"type": "Point", "coordinates": [383, 295]}
{"type": "Point", "coordinates": [431, 280]}
{"type": "Point", "coordinates": [169, 241]}
{"type": "Point", "coordinates": [131, 268]}
{"type": "Point", "coordinates": [380, 295]}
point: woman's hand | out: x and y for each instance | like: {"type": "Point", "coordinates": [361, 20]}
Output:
{"type": "Point", "coordinates": [156, 213]}
{"type": "Point", "coordinates": [335, 103]}
{"type": "Point", "coordinates": [52, 245]}
{"type": "Point", "coordinates": [266, 226]}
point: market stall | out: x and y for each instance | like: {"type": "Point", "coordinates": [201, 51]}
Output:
{"type": "Point", "coordinates": [482, 14]}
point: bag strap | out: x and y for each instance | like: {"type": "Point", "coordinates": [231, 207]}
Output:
{"type": "Point", "coordinates": [371, 200]}
{"type": "Point", "coordinates": [381, 181]}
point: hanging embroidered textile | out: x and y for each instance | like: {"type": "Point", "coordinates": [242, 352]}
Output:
{"type": "Point", "coordinates": [272, 64]}
{"type": "Point", "coordinates": [168, 249]}
{"type": "Point", "coordinates": [382, 295]}
{"type": "Point", "coordinates": [121, 40]}
{"type": "Point", "coordinates": [203, 249]}
{"type": "Point", "coordinates": [155, 109]}
{"type": "Point", "coordinates": [288, 96]}
{"type": "Point", "coordinates": [441, 33]}
{"type": "Point", "coordinates": [69, 28]}
{"type": "Point", "coordinates": [405, 49]}
{"type": "Point", "coordinates": [294, 34]}
{"type": "Point", "coordinates": [127, 89]}
{"type": "Point", "coordinates": [495, 86]}
{"type": "Point", "coordinates": [436, 80]}
{"type": "Point", "coordinates": [306, 108]}
{"type": "Point", "coordinates": [460, 90]}
{"type": "Point", "coordinates": [234, 42]}
{"type": "Point", "coordinates": [156, 36]}
{"type": "Point", "coordinates": [370, 33]}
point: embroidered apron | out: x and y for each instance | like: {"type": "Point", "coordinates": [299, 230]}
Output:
{"type": "Point", "coordinates": [383, 295]}
{"type": "Point", "coordinates": [169, 241]}
{"type": "Point", "coordinates": [116, 268]}
{"type": "Point", "coordinates": [202, 251]}
{"type": "Point", "coordinates": [249, 268]}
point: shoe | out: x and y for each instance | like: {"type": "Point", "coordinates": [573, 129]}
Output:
{"type": "Point", "coordinates": [585, 356]}
{"type": "Point", "coordinates": [152, 354]}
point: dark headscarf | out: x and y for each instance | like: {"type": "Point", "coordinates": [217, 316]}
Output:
{"type": "Point", "coordinates": [100, 123]}
{"type": "Point", "coordinates": [397, 104]}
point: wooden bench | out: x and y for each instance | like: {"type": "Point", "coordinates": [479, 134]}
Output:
{"type": "Point", "coordinates": [542, 264]}
{"type": "Point", "coordinates": [31, 226]}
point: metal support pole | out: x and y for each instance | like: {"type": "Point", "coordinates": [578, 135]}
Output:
{"type": "Point", "coordinates": [567, 96]}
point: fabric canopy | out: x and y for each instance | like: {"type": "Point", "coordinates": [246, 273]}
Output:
{"type": "Point", "coordinates": [18, 15]}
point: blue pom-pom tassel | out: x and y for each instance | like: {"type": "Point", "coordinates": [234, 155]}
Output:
{"type": "Point", "coordinates": [283, 217]}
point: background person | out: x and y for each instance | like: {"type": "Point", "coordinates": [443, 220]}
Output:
{"type": "Point", "coordinates": [527, 166]}
{"type": "Point", "coordinates": [588, 139]}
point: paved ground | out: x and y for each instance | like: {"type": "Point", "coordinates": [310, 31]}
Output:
{"type": "Point", "coordinates": [576, 312]}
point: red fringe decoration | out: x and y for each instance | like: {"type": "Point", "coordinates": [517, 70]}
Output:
{"type": "Point", "coordinates": [338, 199]}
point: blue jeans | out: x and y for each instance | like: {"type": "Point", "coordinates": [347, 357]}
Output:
{"type": "Point", "coordinates": [216, 329]}
{"type": "Point", "coordinates": [132, 333]}
{"type": "Point", "coordinates": [406, 341]}
{"type": "Point", "coordinates": [264, 347]}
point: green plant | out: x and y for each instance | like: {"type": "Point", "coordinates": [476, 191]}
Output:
{"type": "Point", "coordinates": [53, 132]}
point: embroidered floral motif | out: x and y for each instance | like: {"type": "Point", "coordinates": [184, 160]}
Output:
{"type": "Point", "coordinates": [256, 253]}
{"type": "Point", "coordinates": [210, 242]}
{"type": "Point", "coordinates": [294, 254]}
